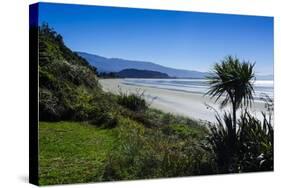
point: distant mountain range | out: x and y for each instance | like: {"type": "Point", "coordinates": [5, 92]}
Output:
{"type": "Point", "coordinates": [115, 65]}
{"type": "Point", "coordinates": [104, 64]}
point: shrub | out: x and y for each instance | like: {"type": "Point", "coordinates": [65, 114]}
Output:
{"type": "Point", "coordinates": [223, 142]}
{"type": "Point", "coordinates": [256, 143]}
{"type": "Point", "coordinates": [48, 106]}
{"type": "Point", "coordinates": [67, 82]}
{"type": "Point", "coordinates": [133, 101]}
{"type": "Point", "coordinates": [104, 119]}
{"type": "Point", "coordinates": [250, 149]}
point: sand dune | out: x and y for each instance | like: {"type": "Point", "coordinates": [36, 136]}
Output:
{"type": "Point", "coordinates": [193, 105]}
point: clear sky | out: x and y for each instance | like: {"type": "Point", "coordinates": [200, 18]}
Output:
{"type": "Point", "coordinates": [184, 40]}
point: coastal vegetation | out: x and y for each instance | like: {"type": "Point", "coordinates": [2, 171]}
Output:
{"type": "Point", "coordinates": [247, 144]}
{"type": "Point", "coordinates": [88, 135]}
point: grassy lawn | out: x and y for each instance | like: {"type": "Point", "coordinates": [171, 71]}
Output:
{"type": "Point", "coordinates": [73, 152]}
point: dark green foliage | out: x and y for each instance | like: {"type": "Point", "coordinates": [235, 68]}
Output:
{"type": "Point", "coordinates": [107, 75]}
{"type": "Point", "coordinates": [104, 119]}
{"type": "Point", "coordinates": [133, 73]}
{"type": "Point", "coordinates": [233, 80]}
{"type": "Point", "coordinates": [256, 143]}
{"type": "Point", "coordinates": [246, 145]}
{"type": "Point", "coordinates": [51, 47]}
{"type": "Point", "coordinates": [69, 88]}
{"type": "Point", "coordinates": [48, 106]}
{"type": "Point", "coordinates": [136, 73]}
{"type": "Point", "coordinates": [249, 150]}
{"type": "Point", "coordinates": [223, 141]}
{"type": "Point", "coordinates": [134, 101]}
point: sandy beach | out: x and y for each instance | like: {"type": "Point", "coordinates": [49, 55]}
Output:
{"type": "Point", "coordinates": [192, 105]}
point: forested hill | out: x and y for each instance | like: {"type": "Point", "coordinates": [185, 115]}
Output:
{"type": "Point", "coordinates": [136, 73]}
{"type": "Point", "coordinates": [66, 80]}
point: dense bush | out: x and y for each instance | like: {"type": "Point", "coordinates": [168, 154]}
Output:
{"type": "Point", "coordinates": [250, 149]}
{"type": "Point", "coordinates": [52, 47]}
{"type": "Point", "coordinates": [256, 143]}
{"type": "Point", "coordinates": [67, 83]}
{"type": "Point", "coordinates": [48, 106]}
{"type": "Point", "coordinates": [133, 101]}
{"type": "Point", "coordinates": [104, 120]}
{"type": "Point", "coordinates": [223, 142]}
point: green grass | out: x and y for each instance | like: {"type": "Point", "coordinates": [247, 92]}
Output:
{"type": "Point", "coordinates": [141, 144]}
{"type": "Point", "coordinates": [73, 152]}
{"type": "Point", "coordinates": [76, 152]}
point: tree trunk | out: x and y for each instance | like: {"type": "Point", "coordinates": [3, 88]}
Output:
{"type": "Point", "coordinates": [234, 117]}
{"type": "Point", "coordinates": [233, 101]}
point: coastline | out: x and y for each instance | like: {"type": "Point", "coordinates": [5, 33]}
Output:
{"type": "Point", "coordinates": [189, 104]}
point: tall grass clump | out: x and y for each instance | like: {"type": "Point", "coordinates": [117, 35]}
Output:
{"type": "Point", "coordinates": [250, 149]}
{"type": "Point", "coordinates": [133, 101]}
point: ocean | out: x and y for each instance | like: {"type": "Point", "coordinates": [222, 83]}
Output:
{"type": "Point", "coordinates": [201, 86]}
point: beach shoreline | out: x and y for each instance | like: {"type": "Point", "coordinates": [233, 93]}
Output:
{"type": "Point", "coordinates": [190, 104]}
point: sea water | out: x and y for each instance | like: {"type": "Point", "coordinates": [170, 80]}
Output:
{"type": "Point", "coordinates": [261, 87]}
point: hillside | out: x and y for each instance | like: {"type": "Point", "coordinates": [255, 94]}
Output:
{"type": "Point", "coordinates": [136, 73]}
{"type": "Point", "coordinates": [65, 79]}
{"type": "Point", "coordinates": [104, 64]}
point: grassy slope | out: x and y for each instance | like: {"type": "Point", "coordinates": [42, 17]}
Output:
{"type": "Point", "coordinates": [73, 152]}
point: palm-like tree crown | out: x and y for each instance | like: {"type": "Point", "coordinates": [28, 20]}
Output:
{"type": "Point", "coordinates": [234, 80]}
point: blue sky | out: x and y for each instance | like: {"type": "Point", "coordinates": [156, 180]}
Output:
{"type": "Point", "coordinates": [185, 40]}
